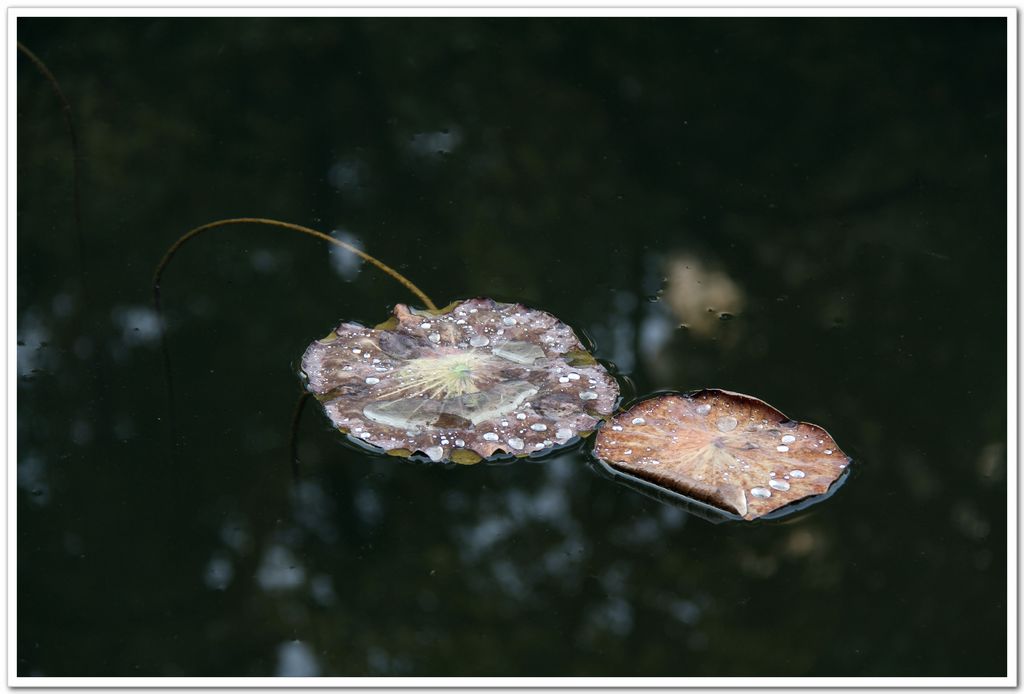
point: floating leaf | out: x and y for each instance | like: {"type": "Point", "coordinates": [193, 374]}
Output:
{"type": "Point", "coordinates": [470, 381]}
{"type": "Point", "coordinates": [732, 451]}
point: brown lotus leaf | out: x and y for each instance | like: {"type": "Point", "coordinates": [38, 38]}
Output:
{"type": "Point", "coordinates": [729, 450]}
{"type": "Point", "coordinates": [470, 381]}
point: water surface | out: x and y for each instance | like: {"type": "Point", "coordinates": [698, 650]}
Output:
{"type": "Point", "coordinates": [809, 211]}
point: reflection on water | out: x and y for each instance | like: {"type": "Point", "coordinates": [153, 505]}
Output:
{"type": "Point", "coordinates": [296, 659]}
{"type": "Point", "coordinates": [611, 173]}
{"type": "Point", "coordinates": [700, 295]}
{"type": "Point", "coordinates": [32, 478]}
{"type": "Point", "coordinates": [345, 263]}
{"type": "Point", "coordinates": [435, 143]}
{"type": "Point", "coordinates": [219, 572]}
{"type": "Point", "coordinates": [280, 570]}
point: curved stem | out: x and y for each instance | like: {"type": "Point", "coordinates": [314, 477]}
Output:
{"type": "Point", "coordinates": [188, 236]}
{"type": "Point", "coordinates": [70, 123]}
{"type": "Point", "coordinates": [293, 438]}
{"type": "Point", "coordinates": [282, 225]}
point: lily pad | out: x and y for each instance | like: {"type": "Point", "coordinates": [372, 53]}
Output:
{"type": "Point", "coordinates": [473, 380]}
{"type": "Point", "coordinates": [731, 451]}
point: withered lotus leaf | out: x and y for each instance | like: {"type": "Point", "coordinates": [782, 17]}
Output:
{"type": "Point", "coordinates": [732, 451]}
{"type": "Point", "coordinates": [472, 380]}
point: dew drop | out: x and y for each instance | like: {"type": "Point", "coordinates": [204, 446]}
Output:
{"type": "Point", "coordinates": [563, 434]}
{"type": "Point", "coordinates": [479, 341]}
{"type": "Point", "coordinates": [539, 427]}
{"type": "Point", "coordinates": [435, 453]}
{"type": "Point", "coordinates": [434, 337]}
{"type": "Point", "coordinates": [616, 427]}
{"type": "Point", "coordinates": [726, 423]}
{"type": "Point", "coordinates": [828, 451]}
{"type": "Point", "coordinates": [702, 410]}
{"type": "Point", "coordinates": [760, 492]}
{"type": "Point", "coordinates": [782, 449]}
{"type": "Point", "coordinates": [639, 420]}
{"type": "Point", "coordinates": [788, 438]}
{"type": "Point", "coordinates": [574, 377]}
{"type": "Point", "coordinates": [372, 381]}
{"type": "Point", "coordinates": [508, 321]}
{"type": "Point", "coordinates": [460, 443]}
{"type": "Point", "coordinates": [365, 435]}
{"type": "Point", "coordinates": [490, 436]}
{"type": "Point", "coordinates": [516, 443]}
{"type": "Point", "coordinates": [520, 416]}
{"type": "Point", "coordinates": [425, 326]}
{"type": "Point", "coordinates": [588, 395]}
{"type": "Point", "coordinates": [563, 379]}
{"type": "Point", "coordinates": [781, 485]}
{"type": "Point", "coordinates": [797, 474]}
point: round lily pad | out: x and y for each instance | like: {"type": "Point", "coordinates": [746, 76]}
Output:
{"type": "Point", "coordinates": [473, 380]}
{"type": "Point", "coordinates": [731, 451]}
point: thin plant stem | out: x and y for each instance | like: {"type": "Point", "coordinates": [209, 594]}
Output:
{"type": "Point", "coordinates": [69, 121]}
{"type": "Point", "coordinates": [188, 236]}
{"type": "Point", "coordinates": [394, 274]}
{"type": "Point", "coordinates": [293, 439]}
{"type": "Point", "coordinates": [165, 353]}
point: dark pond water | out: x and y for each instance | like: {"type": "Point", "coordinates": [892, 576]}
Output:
{"type": "Point", "coordinates": [836, 187]}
